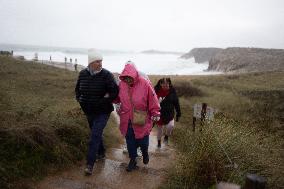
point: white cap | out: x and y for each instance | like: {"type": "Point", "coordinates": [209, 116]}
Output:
{"type": "Point", "coordinates": [93, 55]}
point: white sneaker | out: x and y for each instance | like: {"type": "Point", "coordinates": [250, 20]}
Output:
{"type": "Point", "coordinates": [88, 170]}
{"type": "Point", "coordinates": [139, 152]}
{"type": "Point", "coordinates": [124, 150]}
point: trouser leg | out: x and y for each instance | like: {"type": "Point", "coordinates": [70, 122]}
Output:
{"type": "Point", "coordinates": [144, 145]}
{"type": "Point", "coordinates": [159, 132]}
{"type": "Point", "coordinates": [98, 124]}
{"type": "Point", "coordinates": [169, 128]}
{"type": "Point", "coordinates": [101, 148]}
{"type": "Point", "coordinates": [131, 142]}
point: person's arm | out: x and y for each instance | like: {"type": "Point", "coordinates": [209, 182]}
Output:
{"type": "Point", "coordinates": [77, 89]}
{"type": "Point", "coordinates": [112, 89]}
{"type": "Point", "coordinates": [153, 102]}
{"type": "Point", "coordinates": [177, 106]}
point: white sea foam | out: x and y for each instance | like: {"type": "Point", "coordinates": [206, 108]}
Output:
{"type": "Point", "coordinates": [158, 64]}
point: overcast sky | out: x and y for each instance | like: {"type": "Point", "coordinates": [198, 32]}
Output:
{"type": "Point", "coordinates": [175, 25]}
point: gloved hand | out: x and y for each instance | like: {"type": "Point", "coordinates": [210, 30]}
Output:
{"type": "Point", "coordinates": [106, 95]}
{"type": "Point", "coordinates": [117, 107]}
{"type": "Point", "coordinates": [155, 118]}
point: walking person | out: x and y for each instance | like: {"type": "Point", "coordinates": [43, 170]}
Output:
{"type": "Point", "coordinates": [139, 107]}
{"type": "Point", "coordinates": [169, 103]}
{"type": "Point", "coordinates": [95, 91]}
{"type": "Point", "coordinates": [76, 67]}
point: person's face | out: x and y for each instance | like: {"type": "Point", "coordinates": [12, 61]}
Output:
{"type": "Point", "coordinates": [96, 65]}
{"type": "Point", "coordinates": [165, 85]}
{"type": "Point", "coordinates": [128, 80]}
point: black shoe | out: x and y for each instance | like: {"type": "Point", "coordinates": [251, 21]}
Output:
{"type": "Point", "coordinates": [159, 144]}
{"type": "Point", "coordinates": [146, 158]}
{"type": "Point", "coordinates": [101, 156]}
{"type": "Point", "coordinates": [166, 139]}
{"type": "Point", "coordinates": [132, 165]}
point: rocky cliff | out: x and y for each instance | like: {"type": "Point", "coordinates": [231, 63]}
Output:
{"type": "Point", "coordinates": [247, 60]}
{"type": "Point", "coordinates": [201, 54]}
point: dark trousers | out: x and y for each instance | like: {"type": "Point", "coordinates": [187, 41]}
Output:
{"type": "Point", "coordinates": [133, 144]}
{"type": "Point", "coordinates": [97, 124]}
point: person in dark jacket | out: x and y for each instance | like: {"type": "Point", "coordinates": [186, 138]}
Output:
{"type": "Point", "coordinates": [169, 103]}
{"type": "Point", "coordinates": [95, 91]}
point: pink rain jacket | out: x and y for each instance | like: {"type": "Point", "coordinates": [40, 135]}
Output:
{"type": "Point", "coordinates": [143, 98]}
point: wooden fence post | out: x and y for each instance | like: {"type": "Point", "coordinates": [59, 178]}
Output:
{"type": "Point", "coordinates": [203, 114]}
{"type": "Point", "coordinates": [203, 111]}
{"type": "Point", "coordinates": [193, 124]}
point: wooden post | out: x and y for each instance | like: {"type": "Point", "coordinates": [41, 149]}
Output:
{"type": "Point", "coordinates": [203, 111]}
{"type": "Point", "coordinates": [203, 114]}
{"type": "Point", "coordinates": [193, 124]}
{"type": "Point", "coordinates": [255, 182]}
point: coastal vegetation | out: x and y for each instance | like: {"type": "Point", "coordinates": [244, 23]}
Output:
{"type": "Point", "coordinates": [246, 135]}
{"type": "Point", "coordinates": [42, 127]}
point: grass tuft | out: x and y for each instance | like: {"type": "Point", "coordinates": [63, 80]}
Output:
{"type": "Point", "coordinates": [248, 129]}
{"type": "Point", "coordinates": [42, 126]}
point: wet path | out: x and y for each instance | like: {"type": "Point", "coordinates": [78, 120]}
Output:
{"type": "Point", "coordinates": [110, 173]}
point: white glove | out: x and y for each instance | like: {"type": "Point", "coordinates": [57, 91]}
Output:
{"type": "Point", "coordinates": [155, 118]}
{"type": "Point", "coordinates": [106, 95]}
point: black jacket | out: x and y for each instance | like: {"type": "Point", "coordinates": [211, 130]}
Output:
{"type": "Point", "coordinates": [90, 91]}
{"type": "Point", "coordinates": [168, 106]}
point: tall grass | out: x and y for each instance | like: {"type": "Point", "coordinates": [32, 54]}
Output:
{"type": "Point", "coordinates": [248, 128]}
{"type": "Point", "coordinates": [42, 127]}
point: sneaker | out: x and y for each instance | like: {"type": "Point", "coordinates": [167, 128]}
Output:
{"type": "Point", "coordinates": [132, 165]}
{"type": "Point", "coordinates": [88, 170]}
{"type": "Point", "coordinates": [125, 149]}
{"type": "Point", "coordinates": [101, 156]}
{"type": "Point", "coordinates": [146, 158]}
{"type": "Point", "coordinates": [139, 152]}
{"type": "Point", "coordinates": [159, 144]}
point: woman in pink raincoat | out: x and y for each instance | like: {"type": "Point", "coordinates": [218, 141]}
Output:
{"type": "Point", "coordinates": [136, 92]}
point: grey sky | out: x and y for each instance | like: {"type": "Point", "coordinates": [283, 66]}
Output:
{"type": "Point", "coordinates": [176, 25]}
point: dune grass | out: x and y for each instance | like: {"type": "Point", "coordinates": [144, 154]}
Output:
{"type": "Point", "coordinates": [42, 126]}
{"type": "Point", "coordinates": [248, 127]}
{"type": "Point", "coordinates": [43, 129]}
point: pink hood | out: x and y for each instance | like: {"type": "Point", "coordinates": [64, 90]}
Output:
{"type": "Point", "coordinates": [143, 97]}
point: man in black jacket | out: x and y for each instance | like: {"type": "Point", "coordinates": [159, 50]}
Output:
{"type": "Point", "coordinates": [95, 91]}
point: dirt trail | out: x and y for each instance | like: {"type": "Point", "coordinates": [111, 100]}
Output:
{"type": "Point", "coordinates": [110, 173]}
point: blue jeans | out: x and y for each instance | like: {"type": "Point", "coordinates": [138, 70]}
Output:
{"type": "Point", "coordinates": [97, 124]}
{"type": "Point", "coordinates": [133, 144]}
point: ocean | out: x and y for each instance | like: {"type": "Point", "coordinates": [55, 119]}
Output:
{"type": "Point", "coordinates": [152, 64]}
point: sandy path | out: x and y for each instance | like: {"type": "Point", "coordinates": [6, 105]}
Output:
{"type": "Point", "coordinates": [111, 173]}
